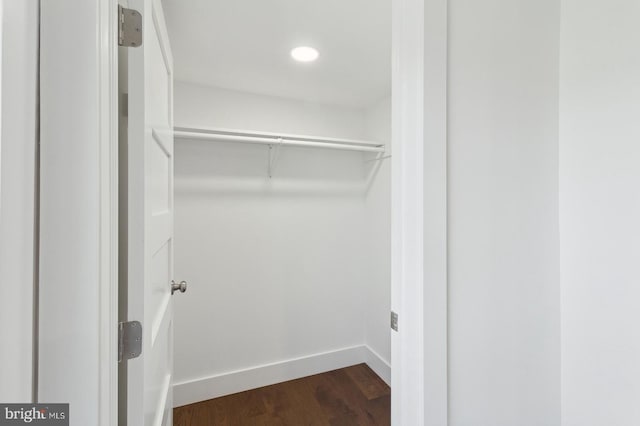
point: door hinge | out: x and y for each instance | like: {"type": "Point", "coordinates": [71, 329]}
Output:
{"type": "Point", "coordinates": [129, 27]}
{"type": "Point", "coordinates": [129, 340]}
{"type": "Point", "coordinates": [394, 321]}
{"type": "Point", "coordinates": [124, 105]}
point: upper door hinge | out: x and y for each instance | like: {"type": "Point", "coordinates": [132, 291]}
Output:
{"type": "Point", "coordinates": [129, 340]}
{"type": "Point", "coordinates": [129, 27]}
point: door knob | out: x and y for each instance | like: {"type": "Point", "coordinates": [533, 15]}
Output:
{"type": "Point", "coordinates": [182, 286]}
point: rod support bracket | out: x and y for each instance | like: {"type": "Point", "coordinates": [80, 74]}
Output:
{"type": "Point", "coordinates": [273, 157]}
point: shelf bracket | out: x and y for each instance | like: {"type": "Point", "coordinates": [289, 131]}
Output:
{"type": "Point", "coordinates": [274, 151]}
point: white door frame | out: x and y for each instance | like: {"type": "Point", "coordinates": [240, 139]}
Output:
{"type": "Point", "coordinates": [79, 209]}
{"type": "Point", "coordinates": [18, 140]}
{"type": "Point", "coordinates": [419, 207]}
{"type": "Point", "coordinates": [419, 213]}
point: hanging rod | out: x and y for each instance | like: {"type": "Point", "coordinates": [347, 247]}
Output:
{"type": "Point", "coordinates": [226, 135]}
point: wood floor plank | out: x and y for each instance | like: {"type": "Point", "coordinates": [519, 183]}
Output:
{"type": "Point", "coordinates": [333, 402]}
{"type": "Point", "coordinates": [182, 416]}
{"type": "Point", "coordinates": [368, 382]}
{"type": "Point", "coordinates": [354, 396]}
{"type": "Point", "coordinates": [307, 409]}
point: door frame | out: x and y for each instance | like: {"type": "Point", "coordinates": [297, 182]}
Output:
{"type": "Point", "coordinates": [18, 206]}
{"type": "Point", "coordinates": [419, 207]}
{"type": "Point", "coordinates": [419, 267]}
{"type": "Point", "coordinates": [78, 285]}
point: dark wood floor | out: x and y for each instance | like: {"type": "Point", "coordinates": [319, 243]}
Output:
{"type": "Point", "coordinates": [349, 396]}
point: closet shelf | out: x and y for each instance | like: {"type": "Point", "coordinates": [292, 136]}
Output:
{"type": "Point", "coordinates": [276, 139]}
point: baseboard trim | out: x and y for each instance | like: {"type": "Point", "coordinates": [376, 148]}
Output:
{"type": "Point", "coordinates": [197, 390]}
{"type": "Point", "coordinates": [378, 364]}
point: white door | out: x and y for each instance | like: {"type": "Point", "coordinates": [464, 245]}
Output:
{"type": "Point", "coordinates": [150, 219]}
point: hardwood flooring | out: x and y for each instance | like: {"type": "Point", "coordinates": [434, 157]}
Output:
{"type": "Point", "coordinates": [352, 396]}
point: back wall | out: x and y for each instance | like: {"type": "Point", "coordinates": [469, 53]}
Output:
{"type": "Point", "coordinates": [276, 267]}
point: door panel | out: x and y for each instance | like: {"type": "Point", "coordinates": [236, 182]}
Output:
{"type": "Point", "coordinates": [150, 218]}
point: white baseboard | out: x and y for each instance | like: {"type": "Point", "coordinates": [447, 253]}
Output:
{"type": "Point", "coordinates": [197, 390]}
{"type": "Point", "coordinates": [378, 364]}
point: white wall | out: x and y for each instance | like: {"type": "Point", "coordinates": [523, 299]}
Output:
{"type": "Point", "coordinates": [276, 267]}
{"type": "Point", "coordinates": [18, 36]}
{"type": "Point", "coordinates": [214, 107]}
{"type": "Point", "coordinates": [600, 211]}
{"type": "Point", "coordinates": [504, 340]}
{"type": "Point", "coordinates": [378, 235]}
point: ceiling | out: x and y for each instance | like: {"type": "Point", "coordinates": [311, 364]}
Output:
{"type": "Point", "coordinates": [245, 44]}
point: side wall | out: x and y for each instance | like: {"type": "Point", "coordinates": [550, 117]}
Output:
{"type": "Point", "coordinates": [504, 297]}
{"type": "Point", "coordinates": [276, 267]}
{"type": "Point", "coordinates": [600, 212]}
{"type": "Point", "coordinates": [19, 53]}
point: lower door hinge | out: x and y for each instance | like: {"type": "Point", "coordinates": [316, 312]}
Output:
{"type": "Point", "coordinates": [129, 340]}
{"type": "Point", "coordinates": [394, 321]}
{"type": "Point", "coordinates": [129, 27]}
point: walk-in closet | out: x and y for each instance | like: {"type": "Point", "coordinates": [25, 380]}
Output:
{"type": "Point", "coordinates": [282, 192]}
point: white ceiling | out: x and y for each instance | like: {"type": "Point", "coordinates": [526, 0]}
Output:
{"type": "Point", "coordinates": [244, 45]}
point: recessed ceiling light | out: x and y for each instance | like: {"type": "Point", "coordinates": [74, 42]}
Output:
{"type": "Point", "coordinates": [304, 54]}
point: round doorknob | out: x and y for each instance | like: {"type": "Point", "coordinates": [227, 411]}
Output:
{"type": "Point", "coordinates": [182, 286]}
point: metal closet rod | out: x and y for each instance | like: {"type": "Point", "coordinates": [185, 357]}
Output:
{"type": "Point", "coordinates": [276, 140]}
